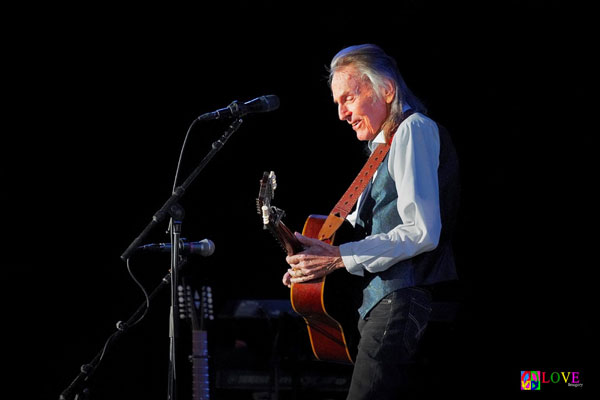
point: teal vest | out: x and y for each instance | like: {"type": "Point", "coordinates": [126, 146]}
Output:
{"type": "Point", "coordinates": [378, 214]}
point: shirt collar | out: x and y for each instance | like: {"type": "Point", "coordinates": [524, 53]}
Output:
{"type": "Point", "coordinates": [380, 138]}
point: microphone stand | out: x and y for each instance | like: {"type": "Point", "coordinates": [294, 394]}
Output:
{"type": "Point", "coordinates": [173, 208]}
{"type": "Point", "coordinates": [175, 230]}
{"type": "Point", "coordinates": [86, 371]}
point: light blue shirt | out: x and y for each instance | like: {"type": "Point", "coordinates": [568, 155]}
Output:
{"type": "Point", "coordinates": [413, 164]}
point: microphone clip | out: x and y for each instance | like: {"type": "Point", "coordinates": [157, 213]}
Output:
{"type": "Point", "coordinates": [235, 108]}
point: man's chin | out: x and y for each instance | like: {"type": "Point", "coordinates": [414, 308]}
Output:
{"type": "Point", "coordinates": [364, 136]}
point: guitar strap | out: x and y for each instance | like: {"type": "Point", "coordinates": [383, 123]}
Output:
{"type": "Point", "coordinates": [337, 216]}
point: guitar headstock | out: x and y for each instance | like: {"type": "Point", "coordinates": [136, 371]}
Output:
{"type": "Point", "coordinates": [272, 216]}
{"type": "Point", "coordinates": [203, 302]}
{"type": "Point", "coordinates": [195, 306]}
{"type": "Point", "coordinates": [266, 193]}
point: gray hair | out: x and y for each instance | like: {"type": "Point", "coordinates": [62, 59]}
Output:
{"type": "Point", "coordinates": [377, 67]}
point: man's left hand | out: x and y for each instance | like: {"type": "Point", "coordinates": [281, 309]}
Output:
{"type": "Point", "coordinates": [316, 260]}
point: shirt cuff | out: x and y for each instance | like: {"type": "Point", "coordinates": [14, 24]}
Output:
{"type": "Point", "coordinates": [351, 265]}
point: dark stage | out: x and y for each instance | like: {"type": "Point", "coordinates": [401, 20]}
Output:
{"type": "Point", "coordinates": [99, 101]}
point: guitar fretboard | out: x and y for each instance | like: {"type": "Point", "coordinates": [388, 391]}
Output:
{"type": "Point", "coordinates": [200, 377]}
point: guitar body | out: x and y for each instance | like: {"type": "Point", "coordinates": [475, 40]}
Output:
{"type": "Point", "coordinates": [329, 308]}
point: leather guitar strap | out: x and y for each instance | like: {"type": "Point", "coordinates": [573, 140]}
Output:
{"type": "Point", "coordinates": [336, 217]}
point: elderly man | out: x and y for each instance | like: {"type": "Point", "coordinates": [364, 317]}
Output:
{"type": "Point", "coordinates": [404, 216]}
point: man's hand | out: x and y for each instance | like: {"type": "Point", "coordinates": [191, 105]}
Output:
{"type": "Point", "coordinates": [318, 259]}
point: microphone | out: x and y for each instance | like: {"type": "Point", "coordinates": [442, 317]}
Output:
{"type": "Point", "coordinates": [236, 110]}
{"type": "Point", "coordinates": [204, 247]}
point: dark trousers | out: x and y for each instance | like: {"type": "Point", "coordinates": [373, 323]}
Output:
{"type": "Point", "coordinates": [389, 336]}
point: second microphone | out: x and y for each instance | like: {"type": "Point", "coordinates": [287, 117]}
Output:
{"type": "Point", "coordinates": [204, 247]}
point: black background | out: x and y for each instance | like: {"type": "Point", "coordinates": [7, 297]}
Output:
{"type": "Point", "coordinates": [98, 101]}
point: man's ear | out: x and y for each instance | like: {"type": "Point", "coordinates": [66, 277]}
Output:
{"type": "Point", "coordinates": [389, 91]}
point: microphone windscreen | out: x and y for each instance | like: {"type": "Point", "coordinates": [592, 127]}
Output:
{"type": "Point", "coordinates": [271, 102]}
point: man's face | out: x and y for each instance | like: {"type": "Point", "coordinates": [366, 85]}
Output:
{"type": "Point", "coordinates": [357, 102]}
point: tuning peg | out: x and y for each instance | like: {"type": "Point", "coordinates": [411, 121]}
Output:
{"type": "Point", "coordinates": [265, 215]}
{"type": "Point", "coordinates": [273, 179]}
{"type": "Point", "coordinates": [258, 207]}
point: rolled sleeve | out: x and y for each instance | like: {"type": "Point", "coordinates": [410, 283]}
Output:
{"type": "Point", "coordinates": [350, 263]}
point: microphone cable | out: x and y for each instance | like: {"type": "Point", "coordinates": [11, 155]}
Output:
{"type": "Point", "coordinates": [185, 139]}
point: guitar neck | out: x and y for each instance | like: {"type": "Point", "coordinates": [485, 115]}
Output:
{"type": "Point", "coordinates": [200, 377]}
{"type": "Point", "coordinates": [286, 238]}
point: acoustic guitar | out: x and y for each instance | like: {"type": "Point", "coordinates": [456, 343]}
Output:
{"type": "Point", "coordinates": [327, 304]}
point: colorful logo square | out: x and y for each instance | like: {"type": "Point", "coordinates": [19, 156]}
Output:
{"type": "Point", "coordinates": [530, 380]}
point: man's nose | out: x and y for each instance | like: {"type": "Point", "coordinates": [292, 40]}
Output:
{"type": "Point", "coordinates": [343, 112]}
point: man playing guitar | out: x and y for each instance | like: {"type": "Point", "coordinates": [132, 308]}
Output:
{"type": "Point", "coordinates": [404, 219]}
